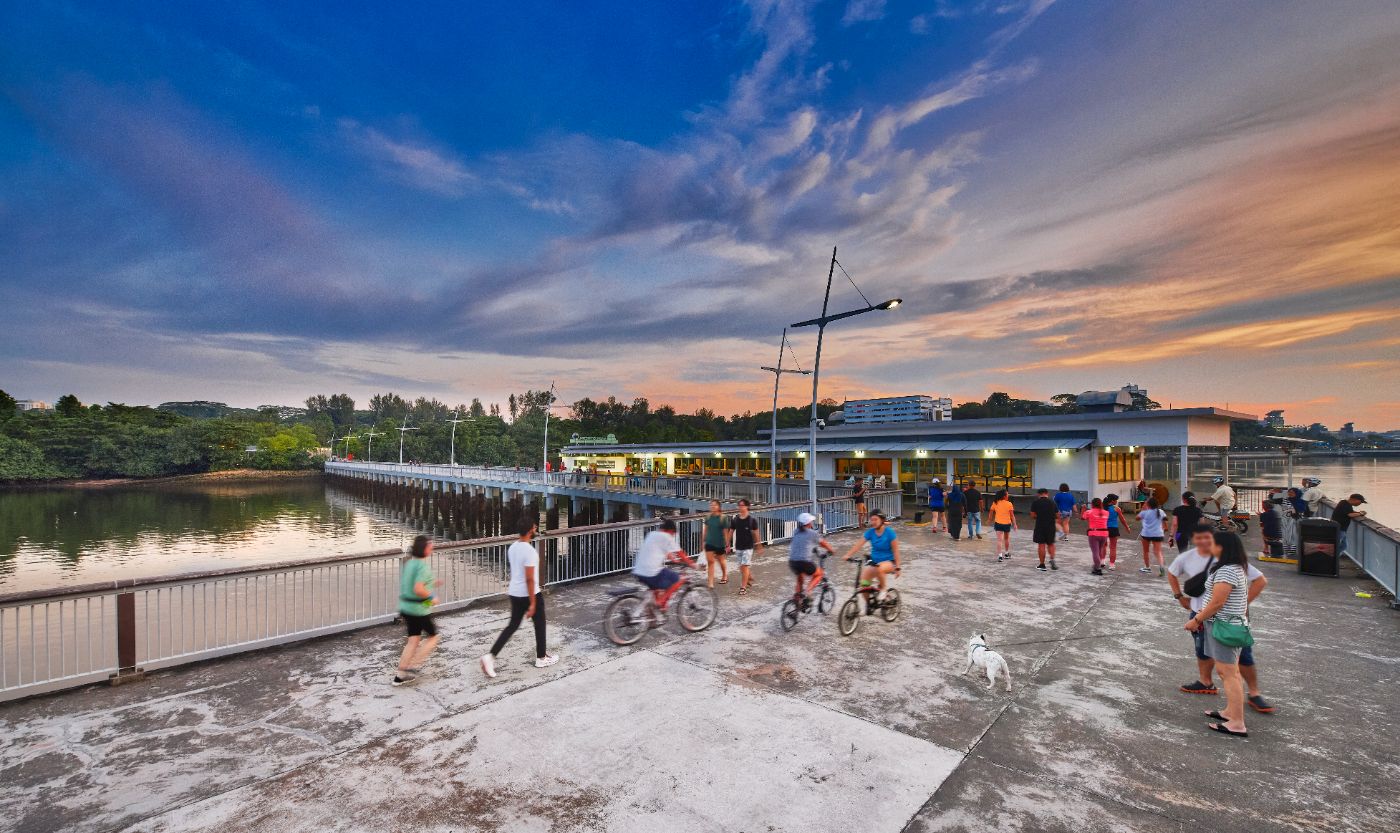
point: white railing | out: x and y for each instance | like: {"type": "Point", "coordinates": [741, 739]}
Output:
{"type": "Point", "coordinates": [57, 639]}
{"type": "Point", "coordinates": [1376, 550]}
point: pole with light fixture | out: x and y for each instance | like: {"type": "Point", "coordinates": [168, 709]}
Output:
{"type": "Point", "coordinates": [820, 324]}
{"type": "Point", "coordinates": [369, 450]}
{"type": "Point", "coordinates": [773, 435]}
{"type": "Point", "coordinates": [452, 446]}
{"type": "Point", "coordinates": [403, 432]}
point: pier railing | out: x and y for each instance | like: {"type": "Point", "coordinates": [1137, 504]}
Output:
{"type": "Point", "coordinates": [1374, 548]}
{"type": "Point", "coordinates": [62, 638]}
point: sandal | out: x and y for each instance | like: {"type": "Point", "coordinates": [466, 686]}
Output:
{"type": "Point", "coordinates": [1215, 715]}
{"type": "Point", "coordinates": [724, 581]}
{"type": "Point", "coordinates": [1225, 730]}
{"type": "Point", "coordinates": [743, 591]}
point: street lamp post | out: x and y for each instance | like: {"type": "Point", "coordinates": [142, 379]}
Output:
{"type": "Point", "coordinates": [346, 439]}
{"type": "Point", "coordinates": [820, 324]}
{"type": "Point", "coordinates": [403, 431]}
{"type": "Point", "coordinates": [773, 434]}
{"type": "Point", "coordinates": [452, 447]}
{"type": "Point", "coordinates": [369, 447]}
{"type": "Point", "coordinates": [549, 403]}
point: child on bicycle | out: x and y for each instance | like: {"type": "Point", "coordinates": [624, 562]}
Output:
{"type": "Point", "coordinates": [650, 565]}
{"type": "Point", "coordinates": [802, 554]}
{"type": "Point", "coordinates": [884, 553]}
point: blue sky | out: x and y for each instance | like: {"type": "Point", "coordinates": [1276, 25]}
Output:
{"type": "Point", "coordinates": [254, 202]}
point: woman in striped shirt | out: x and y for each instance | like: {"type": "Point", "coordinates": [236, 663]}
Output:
{"type": "Point", "coordinates": [1227, 595]}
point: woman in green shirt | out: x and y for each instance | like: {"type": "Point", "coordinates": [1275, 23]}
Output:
{"type": "Point", "coordinates": [717, 543]}
{"type": "Point", "coordinates": [416, 598]}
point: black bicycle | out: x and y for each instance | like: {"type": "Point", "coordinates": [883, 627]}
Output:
{"type": "Point", "coordinates": [633, 610]}
{"type": "Point", "coordinates": [794, 609]}
{"type": "Point", "coordinates": [889, 608]}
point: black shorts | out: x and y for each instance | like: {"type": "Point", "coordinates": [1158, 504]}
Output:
{"type": "Point", "coordinates": [1113, 532]}
{"type": "Point", "coordinates": [1002, 527]}
{"type": "Point", "coordinates": [714, 549]}
{"type": "Point", "coordinates": [1044, 535]}
{"type": "Point", "coordinates": [802, 568]}
{"type": "Point", "coordinates": [1153, 538]}
{"type": "Point", "coordinates": [419, 625]}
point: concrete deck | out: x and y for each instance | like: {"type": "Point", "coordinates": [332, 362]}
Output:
{"type": "Point", "coordinates": [746, 728]}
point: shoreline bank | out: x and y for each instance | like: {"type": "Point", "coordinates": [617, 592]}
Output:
{"type": "Point", "coordinates": [230, 475]}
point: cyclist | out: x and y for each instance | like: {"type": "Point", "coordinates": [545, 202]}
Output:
{"type": "Point", "coordinates": [884, 553]}
{"type": "Point", "coordinates": [650, 566]}
{"type": "Point", "coordinates": [802, 555]}
{"type": "Point", "coordinates": [1223, 497]}
{"type": "Point", "coordinates": [1313, 496]}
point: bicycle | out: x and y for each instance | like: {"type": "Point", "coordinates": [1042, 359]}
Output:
{"type": "Point", "coordinates": [1236, 522]}
{"type": "Point", "coordinates": [826, 600]}
{"type": "Point", "coordinates": [889, 609]}
{"type": "Point", "coordinates": [633, 611]}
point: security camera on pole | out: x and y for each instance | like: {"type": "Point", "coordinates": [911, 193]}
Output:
{"type": "Point", "coordinates": [820, 324]}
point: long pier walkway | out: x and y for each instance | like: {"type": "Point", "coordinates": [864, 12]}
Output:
{"type": "Point", "coordinates": [747, 728]}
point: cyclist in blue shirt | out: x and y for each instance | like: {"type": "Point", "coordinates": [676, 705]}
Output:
{"type": "Point", "coordinates": [1065, 503]}
{"type": "Point", "coordinates": [884, 553]}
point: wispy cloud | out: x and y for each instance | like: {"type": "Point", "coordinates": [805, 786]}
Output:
{"type": "Point", "coordinates": [862, 11]}
{"type": "Point", "coordinates": [414, 163]}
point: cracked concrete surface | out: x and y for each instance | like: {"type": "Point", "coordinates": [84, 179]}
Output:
{"type": "Point", "coordinates": [746, 728]}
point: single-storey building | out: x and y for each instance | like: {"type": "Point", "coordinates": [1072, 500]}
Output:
{"type": "Point", "coordinates": [1095, 453]}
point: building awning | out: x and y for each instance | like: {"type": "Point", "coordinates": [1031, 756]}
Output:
{"type": "Point", "coordinates": [841, 446]}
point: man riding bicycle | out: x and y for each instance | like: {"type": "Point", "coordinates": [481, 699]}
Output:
{"type": "Point", "coordinates": [650, 566]}
{"type": "Point", "coordinates": [884, 553]}
{"type": "Point", "coordinates": [1223, 498]}
{"type": "Point", "coordinates": [802, 554]}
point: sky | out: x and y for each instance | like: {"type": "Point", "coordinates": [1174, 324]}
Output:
{"type": "Point", "coordinates": [253, 202]}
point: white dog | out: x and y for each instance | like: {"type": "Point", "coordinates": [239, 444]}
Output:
{"type": "Point", "coordinates": [989, 661]}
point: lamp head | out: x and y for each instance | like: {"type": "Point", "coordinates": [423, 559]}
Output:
{"type": "Point", "coordinates": [890, 304]}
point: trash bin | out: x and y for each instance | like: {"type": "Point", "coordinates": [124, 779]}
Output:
{"type": "Point", "coordinates": [1317, 547]}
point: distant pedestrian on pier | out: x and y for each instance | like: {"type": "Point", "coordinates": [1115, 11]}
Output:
{"type": "Point", "coordinates": [955, 503]}
{"type": "Point", "coordinates": [745, 530]}
{"type": "Point", "coordinates": [1117, 526]}
{"type": "Point", "coordinates": [1096, 517]}
{"type": "Point", "coordinates": [1003, 522]}
{"type": "Point", "coordinates": [526, 600]}
{"type": "Point", "coordinates": [973, 498]}
{"type": "Point", "coordinates": [1185, 518]}
{"type": "Point", "coordinates": [1046, 515]}
{"type": "Point", "coordinates": [1153, 520]}
{"type": "Point", "coordinates": [1314, 496]}
{"type": "Point", "coordinates": [718, 541]}
{"type": "Point", "coordinates": [1065, 504]}
{"type": "Point", "coordinates": [416, 597]}
{"type": "Point", "coordinates": [858, 496]}
{"type": "Point", "coordinates": [935, 506]}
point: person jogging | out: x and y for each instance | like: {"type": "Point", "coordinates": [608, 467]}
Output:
{"type": "Point", "coordinates": [416, 585]}
{"type": "Point", "coordinates": [1117, 526]}
{"type": "Point", "coordinates": [526, 599]}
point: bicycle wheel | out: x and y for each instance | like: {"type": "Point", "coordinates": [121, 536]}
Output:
{"type": "Point", "coordinates": [789, 615]}
{"type": "Point", "coordinates": [826, 600]}
{"type": "Point", "coordinates": [626, 620]}
{"type": "Point", "coordinates": [1241, 527]}
{"type": "Point", "coordinates": [696, 607]}
{"type": "Point", "coordinates": [849, 619]}
{"type": "Point", "coordinates": [891, 608]}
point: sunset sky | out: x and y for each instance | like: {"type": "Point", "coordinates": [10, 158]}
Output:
{"type": "Point", "coordinates": [252, 202]}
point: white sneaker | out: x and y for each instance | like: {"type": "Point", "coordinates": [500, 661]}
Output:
{"type": "Point", "coordinates": [882, 596]}
{"type": "Point", "coordinates": [404, 678]}
{"type": "Point", "coordinates": [488, 665]}
{"type": "Point", "coordinates": [545, 661]}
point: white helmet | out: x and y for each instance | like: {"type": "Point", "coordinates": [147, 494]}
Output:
{"type": "Point", "coordinates": [935, 480]}
{"type": "Point", "coordinates": [1217, 480]}
{"type": "Point", "coordinates": [1311, 481]}
{"type": "Point", "coordinates": [806, 519]}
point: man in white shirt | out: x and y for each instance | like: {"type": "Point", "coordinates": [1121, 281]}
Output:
{"type": "Point", "coordinates": [1187, 566]}
{"type": "Point", "coordinates": [1223, 497]}
{"type": "Point", "coordinates": [526, 600]}
{"type": "Point", "coordinates": [1313, 496]}
{"type": "Point", "coordinates": [650, 565]}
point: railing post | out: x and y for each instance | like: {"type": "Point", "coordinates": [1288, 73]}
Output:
{"type": "Point", "coordinates": [126, 641]}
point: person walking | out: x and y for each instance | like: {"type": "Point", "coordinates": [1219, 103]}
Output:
{"type": "Point", "coordinates": [744, 528]}
{"type": "Point", "coordinates": [1117, 526]}
{"type": "Point", "coordinates": [416, 597]}
{"type": "Point", "coordinates": [1046, 515]}
{"type": "Point", "coordinates": [1065, 504]}
{"type": "Point", "coordinates": [935, 505]}
{"type": "Point", "coordinates": [956, 502]}
{"type": "Point", "coordinates": [526, 599]}
{"type": "Point", "coordinates": [1185, 518]}
{"type": "Point", "coordinates": [1187, 576]}
{"type": "Point", "coordinates": [1226, 599]}
{"type": "Point", "coordinates": [718, 537]}
{"type": "Point", "coordinates": [858, 496]}
{"type": "Point", "coordinates": [1153, 520]}
{"type": "Point", "coordinates": [1097, 519]}
{"type": "Point", "coordinates": [973, 499]}
{"type": "Point", "coordinates": [1343, 515]}
{"type": "Point", "coordinates": [1003, 521]}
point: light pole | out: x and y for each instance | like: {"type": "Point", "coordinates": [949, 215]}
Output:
{"type": "Point", "coordinates": [369, 449]}
{"type": "Point", "coordinates": [820, 324]}
{"type": "Point", "coordinates": [773, 435]}
{"type": "Point", "coordinates": [403, 431]}
{"type": "Point", "coordinates": [549, 403]}
{"type": "Point", "coordinates": [452, 449]}
{"type": "Point", "coordinates": [347, 438]}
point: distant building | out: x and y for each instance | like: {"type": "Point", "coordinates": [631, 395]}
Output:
{"type": "Point", "coordinates": [1273, 420]}
{"type": "Point", "coordinates": [33, 405]}
{"type": "Point", "coordinates": [916, 408]}
{"type": "Point", "coordinates": [1106, 401]}
{"type": "Point", "coordinates": [1348, 430]}
{"type": "Point", "coordinates": [1135, 391]}
{"type": "Point", "coordinates": [1317, 428]}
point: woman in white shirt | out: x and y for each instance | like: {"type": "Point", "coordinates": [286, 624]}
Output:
{"type": "Point", "coordinates": [1153, 534]}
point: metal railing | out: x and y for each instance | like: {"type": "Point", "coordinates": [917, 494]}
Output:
{"type": "Point", "coordinates": [1374, 548]}
{"type": "Point", "coordinates": [62, 638]}
{"type": "Point", "coordinates": [727, 489]}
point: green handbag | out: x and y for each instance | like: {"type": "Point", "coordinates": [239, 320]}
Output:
{"type": "Point", "coordinates": [1231, 631]}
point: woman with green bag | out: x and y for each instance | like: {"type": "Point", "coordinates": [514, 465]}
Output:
{"type": "Point", "coordinates": [1225, 618]}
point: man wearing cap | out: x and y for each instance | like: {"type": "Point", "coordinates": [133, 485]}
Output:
{"type": "Point", "coordinates": [1343, 515]}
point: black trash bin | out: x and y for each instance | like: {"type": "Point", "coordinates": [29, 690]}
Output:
{"type": "Point", "coordinates": [1317, 547]}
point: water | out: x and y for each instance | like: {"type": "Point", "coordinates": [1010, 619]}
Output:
{"type": "Point", "coordinates": [1378, 480]}
{"type": "Point", "coordinates": [64, 537]}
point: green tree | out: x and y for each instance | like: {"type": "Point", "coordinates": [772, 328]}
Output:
{"type": "Point", "coordinates": [20, 460]}
{"type": "Point", "coordinates": [68, 405]}
{"type": "Point", "coordinates": [8, 406]}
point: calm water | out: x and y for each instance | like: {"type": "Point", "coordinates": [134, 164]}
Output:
{"type": "Point", "coordinates": [1378, 480]}
{"type": "Point", "coordinates": [75, 536]}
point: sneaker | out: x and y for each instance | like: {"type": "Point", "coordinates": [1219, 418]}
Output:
{"type": "Point", "coordinates": [1161, 571]}
{"type": "Point", "coordinates": [1000, 558]}
{"type": "Point", "coordinates": [1042, 568]}
{"type": "Point", "coordinates": [404, 678]}
{"type": "Point", "coordinates": [1198, 687]}
{"type": "Point", "coordinates": [882, 596]}
{"type": "Point", "coordinates": [979, 536]}
{"type": "Point", "coordinates": [488, 665]}
{"type": "Point", "coordinates": [1113, 565]}
{"type": "Point", "coordinates": [1097, 571]}
{"type": "Point", "coordinates": [1145, 570]}
{"type": "Point", "coordinates": [1259, 704]}
{"type": "Point", "coordinates": [545, 661]}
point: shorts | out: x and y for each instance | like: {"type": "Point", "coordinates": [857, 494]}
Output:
{"type": "Point", "coordinates": [1044, 536]}
{"type": "Point", "coordinates": [1245, 655]}
{"type": "Point", "coordinates": [1002, 527]}
{"type": "Point", "coordinates": [745, 557]}
{"type": "Point", "coordinates": [802, 568]}
{"type": "Point", "coordinates": [714, 549]}
{"type": "Point", "coordinates": [1113, 532]}
{"type": "Point", "coordinates": [1066, 513]}
{"type": "Point", "coordinates": [860, 506]}
{"type": "Point", "coordinates": [664, 580]}
{"type": "Point", "coordinates": [1158, 538]}
{"type": "Point", "coordinates": [419, 625]}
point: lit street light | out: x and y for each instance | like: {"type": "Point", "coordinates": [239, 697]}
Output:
{"type": "Point", "coordinates": [820, 323]}
{"type": "Point", "coordinates": [773, 435]}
